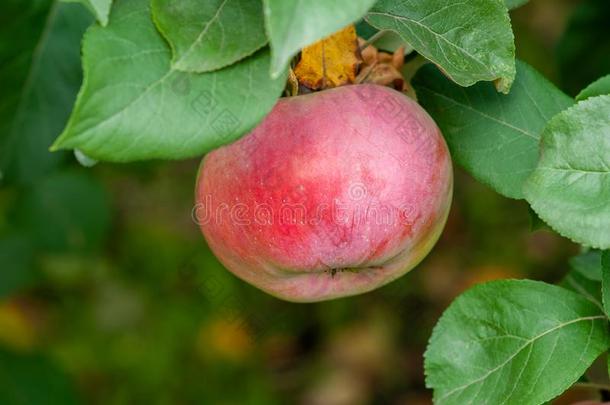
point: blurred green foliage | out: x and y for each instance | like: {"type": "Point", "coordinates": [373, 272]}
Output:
{"type": "Point", "coordinates": [584, 49]}
{"type": "Point", "coordinates": [33, 380]}
{"type": "Point", "coordinates": [108, 294]}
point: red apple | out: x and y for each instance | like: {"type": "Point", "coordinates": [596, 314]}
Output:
{"type": "Point", "coordinates": [335, 193]}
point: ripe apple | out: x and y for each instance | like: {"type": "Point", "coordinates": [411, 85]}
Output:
{"type": "Point", "coordinates": [334, 194]}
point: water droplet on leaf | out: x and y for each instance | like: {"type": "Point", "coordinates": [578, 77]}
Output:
{"type": "Point", "coordinates": [84, 159]}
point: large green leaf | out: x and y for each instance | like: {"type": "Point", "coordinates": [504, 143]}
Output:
{"type": "Point", "coordinates": [294, 24]}
{"type": "Point", "coordinates": [570, 188]}
{"type": "Point", "coordinates": [599, 87]}
{"type": "Point", "coordinates": [33, 379]}
{"type": "Point", "coordinates": [516, 342]}
{"type": "Point", "coordinates": [99, 8]}
{"type": "Point", "coordinates": [206, 35]}
{"type": "Point", "coordinates": [40, 74]}
{"type": "Point", "coordinates": [494, 136]}
{"type": "Point", "coordinates": [134, 105]}
{"type": "Point", "coordinates": [471, 40]}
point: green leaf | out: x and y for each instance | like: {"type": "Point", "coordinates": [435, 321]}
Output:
{"type": "Point", "coordinates": [207, 35]}
{"type": "Point", "coordinates": [494, 136]}
{"type": "Point", "coordinates": [99, 8]}
{"type": "Point", "coordinates": [599, 87]}
{"type": "Point", "coordinates": [589, 289]}
{"type": "Point", "coordinates": [365, 30]}
{"type": "Point", "coordinates": [33, 379]}
{"type": "Point", "coordinates": [536, 223]}
{"type": "Point", "coordinates": [588, 264]}
{"type": "Point", "coordinates": [16, 256]}
{"type": "Point", "coordinates": [605, 261]}
{"type": "Point", "coordinates": [66, 211]}
{"type": "Point", "coordinates": [471, 41]}
{"type": "Point", "coordinates": [585, 276]}
{"type": "Point", "coordinates": [134, 105]}
{"type": "Point", "coordinates": [294, 24]}
{"type": "Point", "coordinates": [517, 342]}
{"type": "Point", "coordinates": [40, 77]}
{"type": "Point", "coordinates": [512, 4]}
{"type": "Point", "coordinates": [570, 187]}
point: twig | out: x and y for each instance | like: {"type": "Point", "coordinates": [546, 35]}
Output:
{"type": "Point", "coordinates": [372, 39]}
{"type": "Point", "coordinates": [597, 386]}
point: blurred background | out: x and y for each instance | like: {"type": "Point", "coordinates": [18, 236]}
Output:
{"type": "Point", "coordinates": [109, 295]}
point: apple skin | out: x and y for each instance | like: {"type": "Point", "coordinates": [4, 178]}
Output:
{"type": "Point", "coordinates": [334, 194]}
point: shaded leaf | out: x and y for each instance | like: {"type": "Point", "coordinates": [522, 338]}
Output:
{"type": "Point", "coordinates": [471, 41]}
{"type": "Point", "coordinates": [599, 87]}
{"type": "Point", "coordinates": [99, 8]}
{"type": "Point", "coordinates": [39, 78]}
{"type": "Point", "coordinates": [331, 62]}
{"type": "Point", "coordinates": [135, 106]}
{"type": "Point", "coordinates": [570, 187]}
{"type": "Point", "coordinates": [495, 137]}
{"type": "Point", "coordinates": [588, 264]}
{"type": "Point", "coordinates": [536, 223]}
{"type": "Point", "coordinates": [293, 24]}
{"type": "Point", "coordinates": [589, 289]}
{"type": "Point", "coordinates": [207, 35]}
{"type": "Point", "coordinates": [605, 262]}
{"type": "Point", "coordinates": [365, 30]}
{"type": "Point", "coordinates": [585, 276]}
{"type": "Point", "coordinates": [513, 341]}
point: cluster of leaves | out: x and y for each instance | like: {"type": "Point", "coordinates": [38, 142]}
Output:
{"type": "Point", "coordinates": [174, 79]}
{"type": "Point", "coordinates": [535, 143]}
{"type": "Point", "coordinates": [525, 341]}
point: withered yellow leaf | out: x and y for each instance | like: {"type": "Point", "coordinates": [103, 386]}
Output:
{"type": "Point", "coordinates": [330, 62]}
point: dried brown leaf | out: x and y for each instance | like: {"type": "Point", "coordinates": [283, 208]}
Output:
{"type": "Point", "coordinates": [331, 62]}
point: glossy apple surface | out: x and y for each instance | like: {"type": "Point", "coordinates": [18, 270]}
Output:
{"type": "Point", "coordinates": [334, 194]}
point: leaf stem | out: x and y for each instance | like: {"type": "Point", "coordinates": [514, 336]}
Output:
{"type": "Point", "coordinates": [378, 35]}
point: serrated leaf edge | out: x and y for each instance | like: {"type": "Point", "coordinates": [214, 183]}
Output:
{"type": "Point", "coordinates": [435, 331]}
